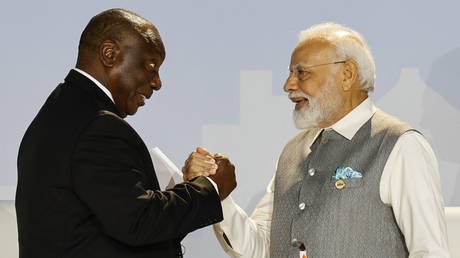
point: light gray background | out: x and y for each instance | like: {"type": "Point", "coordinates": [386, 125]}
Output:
{"type": "Point", "coordinates": [222, 78]}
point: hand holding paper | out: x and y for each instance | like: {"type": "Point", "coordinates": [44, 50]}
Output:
{"type": "Point", "coordinates": [167, 173]}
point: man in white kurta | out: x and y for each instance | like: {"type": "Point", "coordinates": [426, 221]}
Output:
{"type": "Point", "coordinates": [410, 181]}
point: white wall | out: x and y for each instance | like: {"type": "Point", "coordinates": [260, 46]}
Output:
{"type": "Point", "coordinates": [222, 78]}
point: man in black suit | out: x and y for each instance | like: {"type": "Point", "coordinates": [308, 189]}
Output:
{"type": "Point", "coordinates": [86, 183]}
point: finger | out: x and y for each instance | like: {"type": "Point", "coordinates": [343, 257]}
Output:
{"type": "Point", "coordinates": [222, 161]}
{"type": "Point", "coordinates": [203, 169]}
{"type": "Point", "coordinates": [199, 154]}
{"type": "Point", "coordinates": [202, 150]}
{"type": "Point", "coordinates": [192, 153]}
{"type": "Point", "coordinates": [221, 157]}
{"type": "Point", "coordinates": [203, 163]}
{"type": "Point", "coordinates": [188, 159]}
{"type": "Point", "coordinates": [200, 168]}
{"type": "Point", "coordinates": [194, 163]}
{"type": "Point", "coordinates": [201, 157]}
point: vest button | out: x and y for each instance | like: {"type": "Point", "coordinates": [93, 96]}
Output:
{"type": "Point", "coordinates": [294, 242]}
{"type": "Point", "coordinates": [311, 171]}
{"type": "Point", "coordinates": [302, 206]}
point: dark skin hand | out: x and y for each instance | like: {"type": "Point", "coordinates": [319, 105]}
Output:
{"type": "Point", "coordinates": [202, 163]}
{"type": "Point", "coordinates": [219, 160]}
{"type": "Point", "coordinates": [224, 177]}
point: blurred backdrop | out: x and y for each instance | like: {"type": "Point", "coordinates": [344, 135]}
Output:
{"type": "Point", "coordinates": [226, 62]}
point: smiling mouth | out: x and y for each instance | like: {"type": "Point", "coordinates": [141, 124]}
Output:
{"type": "Point", "coordinates": [300, 102]}
{"type": "Point", "coordinates": [142, 99]}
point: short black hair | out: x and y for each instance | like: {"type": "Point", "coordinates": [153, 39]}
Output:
{"type": "Point", "coordinates": [115, 24]}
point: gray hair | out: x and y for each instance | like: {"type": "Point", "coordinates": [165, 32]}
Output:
{"type": "Point", "coordinates": [349, 44]}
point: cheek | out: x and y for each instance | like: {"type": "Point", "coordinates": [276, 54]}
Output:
{"type": "Point", "coordinates": [132, 104]}
{"type": "Point", "coordinates": [310, 87]}
{"type": "Point", "coordinates": [126, 95]}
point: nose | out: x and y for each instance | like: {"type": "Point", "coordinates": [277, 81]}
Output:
{"type": "Point", "coordinates": [291, 84]}
{"type": "Point", "coordinates": [156, 83]}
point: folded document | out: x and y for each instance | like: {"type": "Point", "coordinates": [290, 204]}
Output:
{"type": "Point", "coordinates": [167, 173]}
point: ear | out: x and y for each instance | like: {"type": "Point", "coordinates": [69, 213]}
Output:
{"type": "Point", "coordinates": [349, 75]}
{"type": "Point", "coordinates": [108, 53]}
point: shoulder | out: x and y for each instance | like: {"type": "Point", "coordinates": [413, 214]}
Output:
{"type": "Point", "coordinates": [413, 154]}
{"type": "Point", "coordinates": [391, 124]}
{"type": "Point", "coordinates": [107, 124]}
{"type": "Point", "coordinates": [413, 142]}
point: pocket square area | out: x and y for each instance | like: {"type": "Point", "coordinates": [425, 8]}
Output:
{"type": "Point", "coordinates": [345, 172]}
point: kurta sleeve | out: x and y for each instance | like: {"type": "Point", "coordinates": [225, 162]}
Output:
{"type": "Point", "coordinates": [249, 236]}
{"type": "Point", "coordinates": [411, 184]}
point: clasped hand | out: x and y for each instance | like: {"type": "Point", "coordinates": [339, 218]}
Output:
{"type": "Point", "coordinates": [217, 167]}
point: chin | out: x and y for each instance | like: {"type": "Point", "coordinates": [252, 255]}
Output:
{"type": "Point", "coordinates": [305, 118]}
{"type": "Point", "coordinates": [304, 126]}
{"type": "Point", "coordinates": [132, 111]}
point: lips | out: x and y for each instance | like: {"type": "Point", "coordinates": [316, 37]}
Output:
{"type": "Point", "coordinates": [141, 98]}
{"type": "Point", "coordinates": [300, 102]}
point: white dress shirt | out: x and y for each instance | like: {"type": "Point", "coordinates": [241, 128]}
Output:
{"type": "Point", "coordinates": [410, 183]}
{"type": "Point", "coordinates": [98, 84]}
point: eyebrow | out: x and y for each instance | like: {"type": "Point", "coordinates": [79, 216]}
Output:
{"type": "Point", "coordinates": [301, 65]}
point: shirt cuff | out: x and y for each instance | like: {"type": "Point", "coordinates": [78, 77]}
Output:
{"type": "Point", "coordinates": [228, 209]}
{"type": "Point", "coordinates": [213, 184]}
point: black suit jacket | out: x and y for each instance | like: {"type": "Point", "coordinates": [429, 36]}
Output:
{"type": "Point", "coordinates": [87, 186]}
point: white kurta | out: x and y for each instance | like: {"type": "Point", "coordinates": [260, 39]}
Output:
{"type": "Point", "coordinates": [410, 183]}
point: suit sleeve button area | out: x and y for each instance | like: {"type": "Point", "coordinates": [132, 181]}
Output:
{"type": "Point", "coordinates": [302, 206]}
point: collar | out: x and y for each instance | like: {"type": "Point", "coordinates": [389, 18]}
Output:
{"type": "Point", "coordinates": [351, 122]}
{"type": "Point", "coordinates": [102, 87]}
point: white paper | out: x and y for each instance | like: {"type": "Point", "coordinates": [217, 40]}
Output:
{"type": "Point", "coordinates": [167, 173]}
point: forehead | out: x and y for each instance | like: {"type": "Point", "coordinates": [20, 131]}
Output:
{"type": "Point", "coordinates": [312, 52]}
{"type": "Point", "coordinates": [139, 47]}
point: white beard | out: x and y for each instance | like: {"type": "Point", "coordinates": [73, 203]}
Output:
{"type": "Point", "coordinates": [320, 108]}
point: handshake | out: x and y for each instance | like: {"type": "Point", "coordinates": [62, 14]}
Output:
{"type": "Point", "coordinates": [217, 167]}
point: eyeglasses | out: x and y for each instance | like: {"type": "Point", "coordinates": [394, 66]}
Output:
{"type": "Point", "coordinates": [301, 74]}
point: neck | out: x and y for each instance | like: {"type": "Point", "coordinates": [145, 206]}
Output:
{"type": "Point", "coordinates": [94, 72]}
{"type": "Point", "coordinates": [349, 104]}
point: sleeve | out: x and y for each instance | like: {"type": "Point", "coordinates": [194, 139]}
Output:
{"type": "Point", "coordinates": [411, 185]}
{"type": "Point", "coordinates": [108, 178]}
{"type": "Point", "coordinates": [248, 236]}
